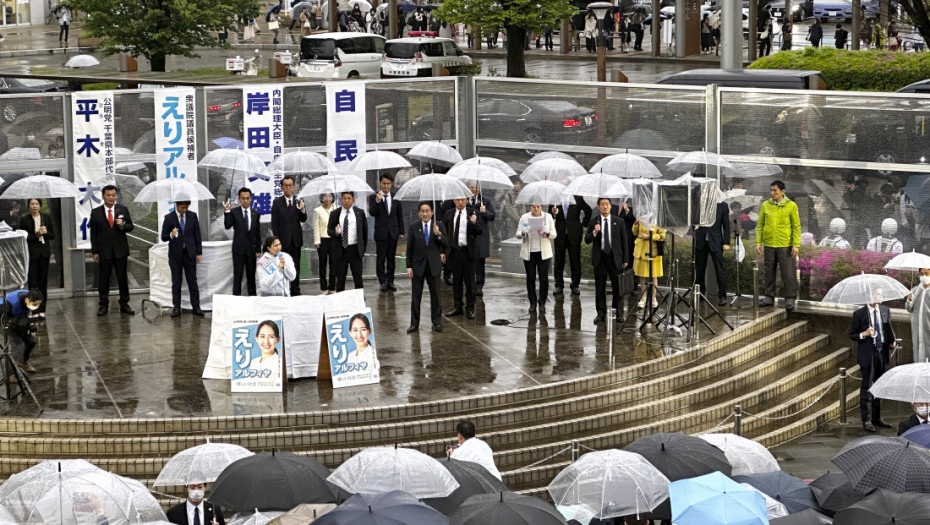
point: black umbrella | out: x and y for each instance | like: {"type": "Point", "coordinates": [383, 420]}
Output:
{"type": "Point", "coordinates": [892, 463]}
{"type": "Point", "coordinates": [273, 9]}
{"type": "Point", "coordinates": [473, 479]}
{"type": "Point", "coordinates": [272, 481]}
{"type": "Point", "coordinates": [396, 507]}
{"type": "Point", "coordinates": [788, 490]}
{"type": "Point", "coordinates": [680, 456]}
{"type": "Point", "coordinates": [807, 517]}
{"type": "Point", "coordinates": [833, 491]}
{"type": "Point", "coordinates": [642, 9]}
{"type": "Point", "coordinates": [506, 508]}
{"type": "Point", "coordinates": [884, 507]}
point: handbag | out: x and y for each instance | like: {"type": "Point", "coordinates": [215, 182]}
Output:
{"type": "Point", "coordinates": [306, 23]}
{"type": "Point", "coordinates": [273, 25]}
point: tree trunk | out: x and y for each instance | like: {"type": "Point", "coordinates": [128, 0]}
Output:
{"type": "Point", "coordinates": [516, 59]}
{"type": "Point", "coordinates": [917, 12]}
{"type": "Point", "coordinates": [158, 61]}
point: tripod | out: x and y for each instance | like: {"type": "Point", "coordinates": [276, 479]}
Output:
{"type": "Point", "coordinates": [10, 369]}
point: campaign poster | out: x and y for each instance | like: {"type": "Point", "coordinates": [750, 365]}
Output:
{"type": "Point", "coordinates": [350, 337]}
{"type": "Point", "coordinates": [345, 121]}
{"type": "Point", "coordinates": [92, 135]}
{"type": "Point", "coordinates": [175, 144]}
{"type": "Point", "coordinates": [258, 355]}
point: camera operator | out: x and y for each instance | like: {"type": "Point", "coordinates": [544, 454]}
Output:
{"type": "Point", "coordinates": [21, 325]}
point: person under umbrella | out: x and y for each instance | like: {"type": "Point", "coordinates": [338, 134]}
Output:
{"type": "Point", "coordinates": [181, 230]}
{"type": "Point", "coordinates": [195, 510]}
{"type": "Point", "coordinates": [920, 417]}
{"type": "Point", "coordinates": [918, 304]}
{"type": "Point", "coordinates": [537, 231]}
{"type": "Point", "coordinates": [506, 507]}
{"type": "Point", "coordinates": [884, 507]}
{"type": "Point", "coordinates": [880, 462]}
{"type": "Point", "coordinates": [833, 492]}
{"type": "Point", "coordinates": [39, 234]}
{"type": "Point", "coordinates": [871, 329]}
{"type": "Point", "coordinates": [472, 478]}
{"type": "Point", "coordinates": [396, 507]}
{"type": "Point", "coordinates": [470, 448]}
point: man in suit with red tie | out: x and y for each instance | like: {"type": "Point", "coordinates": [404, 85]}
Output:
{"type": "Point", "coordinates": [462, 254]}
{"type": "Point", "coordinates": [349, 227]}
{"type": "Point", "coordinates": [247, 242]}
{"type": "Point", "coordinates": [109, 224]}
{"type": "Point", "coordinates": [287, 214]}
{"type": "Point", "coordinates": [389, 228]}
{"type": "Point", "coordinates": [426, 246]}
{"type": "Point", "coordinates": [569, 228]}
{"type": "Point", "coordinates": [181, 230]}
{"type": "Point", "coordinates": [607, 236]}
{"type": "Point", "coordinates": [871, 329]}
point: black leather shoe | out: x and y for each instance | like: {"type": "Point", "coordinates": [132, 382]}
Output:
{"type": "Point", "coordinates": [542, 308]}
{"type": "Point", "coordinates": [599, 319]}
{"type": "Point", "coordinates": [176, 312]}
{"type": "Point", "coordinates": [198, 312]}
{"type": "Point", "coordinates": [125, 309]}
{"type": "Point", "coordinates": [437, 328]}
{"type": "Point", "coordinates": [722, 301]}
{"type": "Point", "coordinates": [412, 328]}
{"type": "Point", "coordinates": [532, 308]}
{"type": "Point", "coordinates": [557, 292]}
{"type": "Point", "coordinates": [384, 287]}
{"type": "Point", "coordinates": [867, 426]}
{"type": "Point", "coordinates": [576, 290]}
{"type": "Point", "coordinates": [470, 314]}
{"type": "Point", "coordinates": [101, 311]}
{"type": "Point", "coordinates": [479, 290]}
{"type": "Point", "coordinates": [448, 281]}
{"type": "Point", "coordinates": [881, 423]}
{"type": "Point", "coordinates": [455, 312]}
{"type": "Point", "coordinates": [391, 287]}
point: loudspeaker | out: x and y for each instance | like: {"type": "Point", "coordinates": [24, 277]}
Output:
{"type": "Point", "coordinates": [14, 259]}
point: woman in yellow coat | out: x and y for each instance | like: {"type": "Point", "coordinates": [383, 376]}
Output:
{"type": "Point", "coordinates": [643, 249]}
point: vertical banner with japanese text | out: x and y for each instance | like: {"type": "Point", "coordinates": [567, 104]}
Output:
{"type": "Point", "coordinates": [350, 337]}
{"type": "Point", "coordinates": [92, 132]}
{"type": "Point", "coordinates": [345, 121]}
{"type": "Point", "coordinates": [175, 139]}
{"type": "Point", "coordinates": [263, 130]}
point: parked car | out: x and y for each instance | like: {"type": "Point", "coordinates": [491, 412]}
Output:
{"type": "Point", "coordinates": [415, 56]}
{"type": "Point", "coordinates": [834, 10]}
{"type": "Point", "coordinates": [799, 10]}
{"type": "Point", "coordinates": [328, 56]}
{"type": "Point", "coordinates": [12, 108]}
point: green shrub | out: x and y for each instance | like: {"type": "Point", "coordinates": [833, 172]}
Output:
{"type": "Point", "coordinates": [872, 70]}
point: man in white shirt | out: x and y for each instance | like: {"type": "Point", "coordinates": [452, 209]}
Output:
{"type": "Point", "coordinates": [349, 229]}
{"type": "Point", "coordinates": [462, 255]}
{"type": "Point", "coordinates": [288, 213]}
{"type": "Point", "coordinates": [195, 510]}
{"type": "Point", "coordinates": [871, 329]}
{"type": "Point", "coordinates": [473, 449]}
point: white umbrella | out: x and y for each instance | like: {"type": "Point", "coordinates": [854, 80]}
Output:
{"type": "Point", "coordinates": [130, 166]}
{"type": "Point", "coordinates": [865, 288]}
{"type": "Point", "coordinates": [41, 187]}
{"type": "Point", "coordinates": [745, 455]}
{"type": "Point", "coordinates": [909, 383]}
{"type": "Point", "coordinates": [553, 169]}
{"type": "Point", "coordinates": [433, 187]}
{"type": "Point", "coordinates": [383, 469]}
{"type": "Point", "coordinates": [598, 185]}
{"type": "Point", "coordinates": [22, 154]}
{"type": "Point", "coordinates": [627, 166]}
{"type": "Point", "coordinates": [336, 183]}
{"type": "Point", "coordinates": [542, 192]}
{"type": "Point", "coordinates": [486, 175]}
{"type": "Point", "coordinates": [255, 518]}
{"type": "Point", "coordinates": [303, 513]}
{"type": "Point", "coordinates": [6, 518]}
{"type": "Point", "coordinates": [81, 61]}
{"type": "Point", "coordinates": [489, 161]}
{"type": "Point", "coordinates": [377, 160]}
{"type": "Point", "coordinates": [301, 163]}
{"type": "Point", "coordinates": [908, 261]}
{"type": "Point", "coordinates": [174, 189]}
{"type": "Point", "coordinates": [773, 507]}
{"type": "Point", "coordinates": [148, 509]}
{"type": "Point", "coordinates": [693, 159]}
{"type": "Point", "coordinates": [753, 170]}
{"type": "Point", "coordinates": [362, 5]}
{"type": "Point", "coordinates": [235, 162]}
{"type": "Point", "coordinates": [201, 463]}
{"type": "Point", "coordinates": [544, 155]}
{"type": "Point", "coordinates": [434, 152]}
{"type": "Point", "coordinates": [611, 483]}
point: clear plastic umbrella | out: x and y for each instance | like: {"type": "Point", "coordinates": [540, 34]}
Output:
{"type": "Point", "coordinates": [433, 187]}
{"type": "Point", "coordinates": [148, 509]}
{"type": "Point", "coordinates": [362, 5]}
{"type": "Point", "coordinates": [41, 187]}
{"type": "Point", "coordinates": [6, 518]}
{"type": "Point", "coordinates": [611, 483]}
{"type": "Point", "coordinates": [235, 162]}
{"type": "Point", "coordinates": [544, 155]}
{"type": "Point", "coordinates": [256, 517]}
{"type": "Point", "coordinates": [908, 261]}
{"type": "Point", "coordinates": [542, 192]}
{"type": "Point", "coordinates": [490, 161]}
{"type": "Point", "coordinates": [22, 154]}
{"type": "Point", "coordinates": [909, 383]}
{"type": "Point", "coordinates": [627, 166]}
{"type": "Point", "coordinates": [301, 163]}
{"type": "Point", "coordinates": [865, 288]}
{"type": "Point", "coordinates": [201, 463]}
{"type": "Point", "coordinates": [487, 176]}
{"type": "Point", "coordinates": [773, 507]}
{"type": "Point", "coordinates": [82, 61]}
{"type": "Point", "coordinates": [174, 189]}
{"type": "Point", "coordinates": [745, 455]}
{"type": "Point", "coordinates": [752, 170]}
{"type": "Point", "coordinates": [377, 160]}
{"type": "Point", "coordinates": [384, 469]}
{"type": "Point", "coordinates": [553, 169]}
{"type": "Point", "coordinates": [336, 183]}
{"type": "Point", "coordinates": [692, 160]}
{"type": "Point", "coordinates": [434, 152]}
{"type": "Point", "coordinates": [598, 185]}
{"type": "Point", "coordinates": [303, 514]}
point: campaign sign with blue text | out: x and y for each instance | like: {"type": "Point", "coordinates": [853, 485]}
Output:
{"type": "Point", "coordinates": [258, 355]}
{"type": "Point", "coordinates": [350, 337]}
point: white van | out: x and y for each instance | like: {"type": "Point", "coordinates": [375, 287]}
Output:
{"type": "Point", "coordinates": [329, 56]}
{"type": "Point", "coordinates": [415, 56]}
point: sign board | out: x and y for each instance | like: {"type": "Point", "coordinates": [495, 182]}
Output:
{"type": "Point", "coordinates": [345, 121]}
{"type": "Point", "coordinates": [258, 355]}
{"type": "Point", "coordinates": [350, 348]}
{"type": "Point", "coordinates": [93, 144]}
{"type": "Point", "coordinates": [175, 139]}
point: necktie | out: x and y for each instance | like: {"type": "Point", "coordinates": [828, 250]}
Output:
{"type": "Point", "coordinates": [110, 217]}
{"type": "Point", "coordinates": [245, 215]}
{"type": "Point", "coordinates": [196, 515]}
{"type": "Point", "coordinates": [458, 217]}
{"type": "Point", "coordinates": [290, 204]}
{"type": "Point", "coordinates": [605, 231]}
{"type": "Point", "coordinates": [878, 329]}
{"type": "Point", "coordinates": [345, 231]}
{"type": "Point", "coordinates": [182, 224]}
{"type": "Point", "coordinates": [565, 209]}
{"type": "Point", "coordinates": [426, 233]}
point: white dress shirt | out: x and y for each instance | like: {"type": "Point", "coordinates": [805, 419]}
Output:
{"type": "Point", "coordinates": [190, 512]}
{"type": "Point", "coordinates": [353, 232]}
{"type": "Point", "coordinates": [462, 217]}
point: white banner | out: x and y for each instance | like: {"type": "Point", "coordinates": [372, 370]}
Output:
{"type": "Point", "coordinates": [345, 121]}
{"type": "Point", "coordinates": [264, 136]}
{"type": "Point", "coordinates": [92, 132]}
{"type": "Point", "coordinates": [175, 140]}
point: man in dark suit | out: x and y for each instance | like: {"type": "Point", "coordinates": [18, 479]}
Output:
{"type": "Point", "coordinates": [871, 328]}
{"type": "Point", "coordinates": [461, 224]}
{"type": "Point", "coordinates": [109, 224]}
{"type": "Point", "coordinates": [287, 213]}
{"type": "Point", "coordinates": [607, 235]}
{"type": "Point", "coordinates": [181, 230]}
{"type": "Point", "coordinates": [195, 510]}
{"type": "Point", "coordinates": [484, 209]}
{"type": "Point", "coordinates": [625, 212]}
{"type": "Point", "coordinates": [713, 241]}
{"type": "Point", "coordinates": [247, 241]}
{"type": "Point", "coordinates": [389, 227]}
{"type": "Point", "coordinates": [348, 227]}
{"type": "Point", "coordinates": [921, 416]}
{"type": "Point", "coordinates": [426, 246]}
{"type": "Point", "coordinates": [569, 228]}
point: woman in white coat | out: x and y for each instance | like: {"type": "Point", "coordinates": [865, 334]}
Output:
{"type": "Point", "coordinates": [537, 229]}
{"type": "Point", "coordinates": [274, 271]}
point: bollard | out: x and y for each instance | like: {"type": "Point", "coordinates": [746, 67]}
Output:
{"type": "Point", "coordinates": [755, 289]}
{"type": "Point", "coordinates": [737, 415]}
{"type": "Point", "coordinates": [696, 312]}
{"type": "Point", "coordinates": [574, 450]}
{"type": "Point", "coordinates": [610, 335]}
{"type": "Point", "coordinates": [842, 396]}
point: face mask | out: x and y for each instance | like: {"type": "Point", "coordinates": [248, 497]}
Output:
{"type": "Point", "coordinates": [196, 496]}
{"type": "Point", "coordinates": [922, 410]}
{"type": "Point", "coordinates": [32, 307]}
{"type": "Point", "coordinates": [30, 137]}
{"type": "Point", "coordinates": [925, 280]}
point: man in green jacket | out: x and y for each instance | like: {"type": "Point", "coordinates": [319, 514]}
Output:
{"type": "Point", "coordinates": [779, 232]}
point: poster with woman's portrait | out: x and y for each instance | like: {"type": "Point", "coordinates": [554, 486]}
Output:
{"type": "Point", "coordinates": [258, 355]}
{"type": "Point", "coordinates": [350, 337]}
